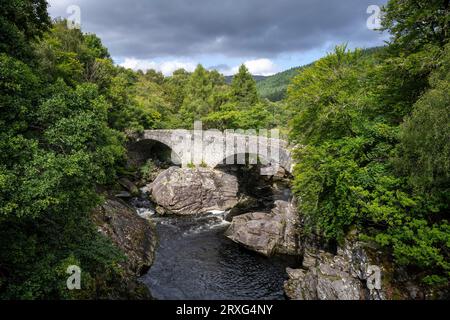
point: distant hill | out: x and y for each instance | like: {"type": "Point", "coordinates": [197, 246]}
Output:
{"type": "Point", "coordinates": [274, 87]}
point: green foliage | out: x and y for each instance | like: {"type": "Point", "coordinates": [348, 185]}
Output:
{"type": "Point", "coordinates": [258, 116]}
{"type": "Point", "coordinates": [323, 100]}
{"type": "Point", "coordinates": [420, 244]}
{"type": "Point", "coordinates": [191, 165]}
{"type": "Point", "coordinates": [373, 136]}
{"type": "Point", "coordinates": [150, 100]}
{"type": "Point", "coordinates": [56, 148]}
{"type": "Point", "coordinates": [424, 151]}
{"type": "Point", "coordinates": [147, 170]}
{"type": "Point", "coordinates": [50, 189]}
{"type": "Point", "coordinates": [275, 87]}
{"type": "Point", "coordinates": [18, 93]}
{"type": "Point", "coordinates": [74, 57]}
{"type": "Point", "coordinates": [423, 157]}
{"type": "Point", "coordinates": [175, 87]}
{"type": "Point", "coordinates": [415, 23]}
{"type": "Point", "coordinates": [243, 88]}
{"type": "Point", "coordinates": [35, 254]}
{"type": "Point", "coordinates": [21, 21]}
{"type": "Point", "coordinates": [200, 94]}
{"type": "Point", "coordinates": [344, 182]}
{"type": "Point", "coordinates": [130, 111]}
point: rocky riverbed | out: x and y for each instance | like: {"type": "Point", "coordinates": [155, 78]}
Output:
{"type": "Point", "coordinates": [222, 237]}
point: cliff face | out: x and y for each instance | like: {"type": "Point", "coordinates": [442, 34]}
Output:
{"type": "Point", "coordinates": [136, 238]}
{"type": "Point", "coordinates": [348, 275]}
{"type": "Point", "coordinates": [355, 271]}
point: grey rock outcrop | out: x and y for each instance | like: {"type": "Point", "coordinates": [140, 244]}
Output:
{"type": "Point", "coordinates": [192, 191]}
{"type": "Point", "coordinates": [132, 234]}
{"type": "Point", "coordinates": [348, 275]}
{"type": "Point", "coordinates": [267, 233]}
{"type": "Point", "coordinates": [136, 238]}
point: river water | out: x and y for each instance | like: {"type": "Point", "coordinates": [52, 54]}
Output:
{"type": "Point", "coordinates": [195, 261]}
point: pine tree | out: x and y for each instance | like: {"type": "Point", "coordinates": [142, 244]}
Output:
{"type": "Point", "coordinates": [243, 88]}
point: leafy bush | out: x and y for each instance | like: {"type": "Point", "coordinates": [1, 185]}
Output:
{"type": "Point", "coordinates": [147, 170]}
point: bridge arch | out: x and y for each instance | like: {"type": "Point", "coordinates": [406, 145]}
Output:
{"type": "Point", "coordinates": [213, 151]}
{"type": "Point", "coordinates": [147, 146]}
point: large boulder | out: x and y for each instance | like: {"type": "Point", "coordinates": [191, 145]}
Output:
{"type": "Point", "coordinates": [267, 233]}
{"type": "Point", "coordinates": [191, 191]}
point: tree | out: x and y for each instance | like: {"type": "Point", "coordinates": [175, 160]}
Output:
{"type": "Point", "coordinates": [56, 148]}
{"type": "Point", "coordinates": [424, 150]}
{"type": "Point", "coordinates": [243, 88]}
{"type": "Point", "coordinates": [21, 21]}
{"type": "Point", "coordinates": [322, 97]}
{"type": "Point", "coordinates": [415, 23]}
{"type": "Point", "coordinates": [73, 56]}
{"type": "Point", "coordinates": [175, 87]}
{"type": "Point", "coordinates": [198, 93]}
{"type": "Point", "coordinates": [154, 76]}
{"type": "Point", "coordinates": [49, 172]}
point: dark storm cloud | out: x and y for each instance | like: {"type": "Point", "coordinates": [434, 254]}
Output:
{"type": "Point", "coordinates": [152, 28]}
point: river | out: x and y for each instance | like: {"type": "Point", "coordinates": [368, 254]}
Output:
{"type": "Point", "coordinates": [195, 261]}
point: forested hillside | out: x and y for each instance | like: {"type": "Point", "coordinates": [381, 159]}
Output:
{"type": "Point", "coordinates": [274, 87]}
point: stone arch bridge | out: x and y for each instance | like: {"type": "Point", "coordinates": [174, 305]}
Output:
{"type": "Point", "coordinates": [213, 148]}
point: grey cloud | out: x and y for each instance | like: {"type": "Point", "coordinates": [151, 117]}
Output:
{"type": "Point", "coordinates": [252, 28]}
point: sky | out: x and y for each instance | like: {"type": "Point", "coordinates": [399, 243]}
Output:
{"type": "Point", "coordinates": [267, 36]}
